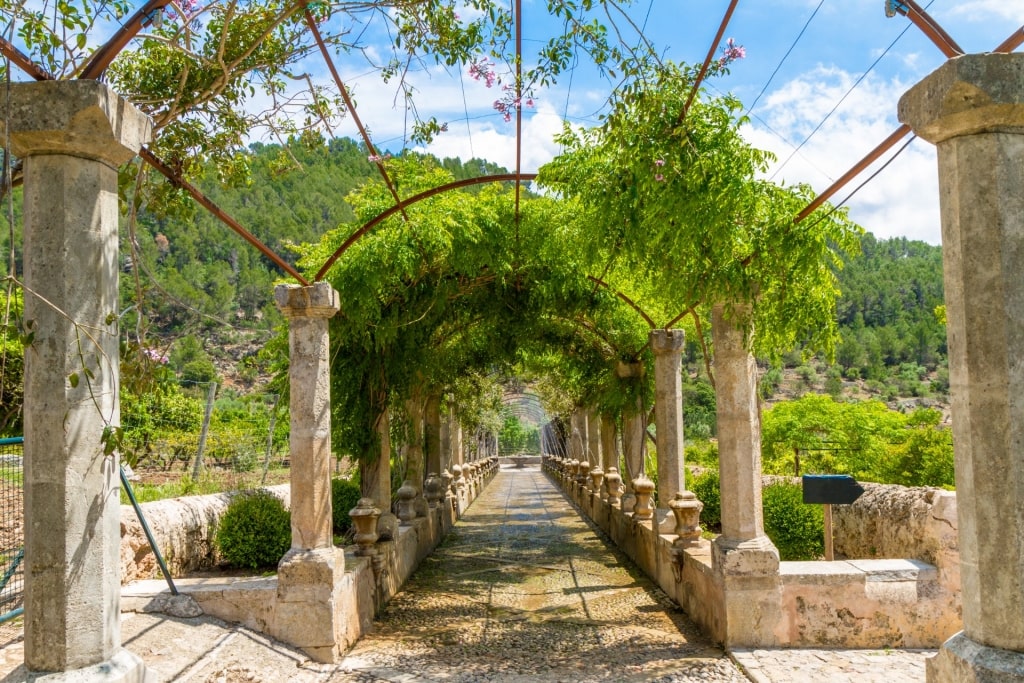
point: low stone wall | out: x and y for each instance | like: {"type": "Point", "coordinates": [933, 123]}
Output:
{"type": "Point", "coordinates": [183, 529]}
{"type": "Point", "coordinates": [910, 599]}
{"type": "Point", "coordinates": [367, 584]}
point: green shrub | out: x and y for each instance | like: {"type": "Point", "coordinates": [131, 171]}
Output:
{"type": "Point", "coordinates": [706, 488]}
{"type": "Point", "coordinates": [255, 531]}
{"type": "Point", "coordinates": [345, 495]}
{"type": "Point", "coordinates": [796, 528]}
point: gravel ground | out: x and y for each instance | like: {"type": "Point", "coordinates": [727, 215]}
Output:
{"type": "Point", "coordinates": [523, 590]}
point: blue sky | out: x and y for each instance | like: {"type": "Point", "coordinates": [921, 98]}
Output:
{"type": "Point", "coordinates": [841, 44]}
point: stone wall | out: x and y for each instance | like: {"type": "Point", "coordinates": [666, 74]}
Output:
{"type": "Point", "coordinates": [183, 529]}
{"type": "Point", "coordinates": [898, 587]}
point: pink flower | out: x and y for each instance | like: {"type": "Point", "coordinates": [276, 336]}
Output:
{"type": "Point", "coordinates": [731, 52]}
{"type": "Point", "coordinates": [659, 177]}
{"type": "Point", "coordinates": [483, 68]}
{"type": "Point", "coordinates": [659, 162]}
{"type": "Point", "coordinates": [374, 158]}
{"type": "Point", "coordinates": [529, 102]}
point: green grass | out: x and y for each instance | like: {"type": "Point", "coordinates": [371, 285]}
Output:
{"type": "Point", "coordinates": [186, 486]}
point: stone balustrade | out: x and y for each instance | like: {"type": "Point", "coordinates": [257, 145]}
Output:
{"type": "Point", "coordinates": [899, 586]}
{"type": "Point", "coordinates": [184, 528]}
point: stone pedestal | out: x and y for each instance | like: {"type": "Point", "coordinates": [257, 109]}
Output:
{"type": "Point", "coordinates": [308, 310]}
{"type": "Point", "coordinates": [72, 136]}
{"type": "Point", "coordinates": [667, 346]}
{"type": "Point", "coordinates": [972, 108]}
{"type": "Point", "coordinates": [310, 612]}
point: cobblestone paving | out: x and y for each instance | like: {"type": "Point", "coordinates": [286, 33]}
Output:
{"type": "Point", "coordinates": [523, 590]}
{"type": "Point", "coordinates": [834, 666]}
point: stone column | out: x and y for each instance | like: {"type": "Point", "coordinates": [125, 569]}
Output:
{"type": "Point", "coordinates": [632, 435]}
{"type": "Point", "coordinates": [594, 439]}
{"type": "Point", "coordinates": [72, 136]}
{"type": "Point", "coordinates": [415, 464]}
{"type": "Point", "coordinates": [743, 557]}
{"type": "Point", "coordinates": [667, 346]}
{"type": "Point", "coordinates": [310, 575]}
{"type": "Point", "coordinates": [609, 444]}
{"type": "Point", "coordinates": [375, 479]}
{"type": "Point", "coordinates": [458, 454]}
{"type": "Point", "coordinates": [579, 423]}
{"type": "Point", "coordinates": [308, 310]}
{"type": "Point", "coordinates": [432, 433]}
{"type": "Point", "coordinates": [972, 108]}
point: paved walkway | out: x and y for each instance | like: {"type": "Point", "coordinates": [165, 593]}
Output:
{"type": "Point", "coordinates": [521, 590]}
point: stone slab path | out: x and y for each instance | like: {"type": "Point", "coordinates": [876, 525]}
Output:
{"type": "Point", "coordinates": [522, 590]}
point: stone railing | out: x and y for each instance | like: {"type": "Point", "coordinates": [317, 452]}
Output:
{"type": "Point", "coordinates": [899, 587]}
{"type": "Point", "coordinates": [369, 580]}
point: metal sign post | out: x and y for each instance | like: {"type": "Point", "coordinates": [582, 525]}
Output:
{"type": "Point", "coordinates": [829, 490]}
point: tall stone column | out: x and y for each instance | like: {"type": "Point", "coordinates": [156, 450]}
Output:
{"type": "Point", "coordinates": [609, 444]}
{"type": "Point", "coordinates": [579, 423]}
{"type": "Point", "coordinates": [432, 433]}
{"type": "Point", "coordinates": [72, 136]}
{"type": "Point", "coordinates": [972, 109]}
{"type": "Point", "coordinates": [743, 557]}
{"type": "Point", "coordinates": [632, 434]}
{"type": "Point", "coordinates": [375, 479]}
{"type": "Point", "coordinates": [458, 452]}
{"type": "Point", "coordinates": [309, 576]}
{"type": "Point", "coordinates": [308, 310]}
{"type": "Point", "coordinates": [667, 346]}
{"type": "Point", "coordinates": [594, 439]}
{"type": "Point", "coordinates": [415, 464]}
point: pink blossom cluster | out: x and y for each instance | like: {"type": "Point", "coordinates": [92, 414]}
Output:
{"type": "Point", "coordinates": [509, 103]}
{"type": "Point", "coordinates": [156, 356]}
{"type": "Point", "coordinates": [658, 163]}
{"type": "Point", "coordinates": [483, 68]}
{"type": "Point", "coordinates": [376, 158]}
{"type": "Point", "coordinates": [731, 52]}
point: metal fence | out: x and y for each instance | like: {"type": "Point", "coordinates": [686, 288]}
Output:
{"type": "Point", "coordinates": [12, 529]}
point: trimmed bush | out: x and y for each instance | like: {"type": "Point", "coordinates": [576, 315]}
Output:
{"type": "Point", "coordinates": [706, 488]}
{"type": "Point", "coordinates": [255, 531]}
{"type": "Point", "coordinates": [345, 495]}
{"type": "Point", "coordinates": [796, 528]}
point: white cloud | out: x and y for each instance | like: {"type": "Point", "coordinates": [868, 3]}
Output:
{"type": "Point", "coordinates": [901, 200]}
{"type": "Point", "coordinates": [495, 140]}
{"type": "Point", "coordinates": [986, 10]}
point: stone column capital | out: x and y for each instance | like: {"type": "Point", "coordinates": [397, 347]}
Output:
{"type": "Point", "coordinates": [318, 300]}
{"type": "Point", "coordinates": [979, 93]}
{"type": "Point", "coordinates": [667, 341]}
{"type": "Point", "coordinates": [84, 119]}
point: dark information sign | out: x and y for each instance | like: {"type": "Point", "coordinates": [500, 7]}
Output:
{"type": "Point", "coordinates": [831, 489]}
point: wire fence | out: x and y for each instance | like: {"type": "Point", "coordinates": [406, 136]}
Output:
{"type": "Point", "coordinates": [12, 529]}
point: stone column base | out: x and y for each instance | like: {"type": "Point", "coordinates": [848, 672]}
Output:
{"type": "Point", "coordinates": [123, 667]}
{"type": "Point", "coordinates": [751, 590]}
{"type": "Point", "coordinates": [308, 613]}
{"type": "Point", "coordinates": [961, 660]}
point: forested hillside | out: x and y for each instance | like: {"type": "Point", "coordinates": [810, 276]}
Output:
{"type": "Point", "coordinates": [207, 294]}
